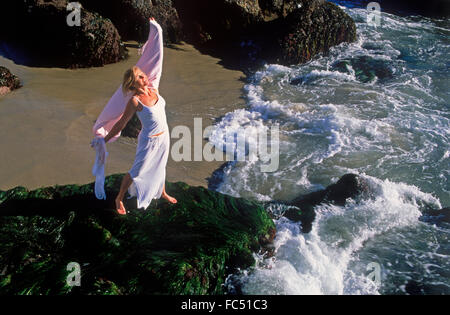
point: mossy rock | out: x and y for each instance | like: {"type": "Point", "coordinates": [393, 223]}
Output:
{"type": "Point", "coordinates": [187, 248]}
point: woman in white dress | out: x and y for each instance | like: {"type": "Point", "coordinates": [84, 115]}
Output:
{"type": "Point", "coordinates": [146, 178]}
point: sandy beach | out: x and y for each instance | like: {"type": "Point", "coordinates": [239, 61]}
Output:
{"type": "Point", "coordinates": [46, 125]}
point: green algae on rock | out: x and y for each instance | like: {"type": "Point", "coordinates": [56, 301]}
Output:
{"type": "Point", "coordinates": [187, 248]}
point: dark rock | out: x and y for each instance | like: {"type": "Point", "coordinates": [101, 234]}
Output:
{"type": "Point", "coordinates": [304, 211]}
{"type": "Point", "coordinates": [131, 17]}
{"type": "Point", "coordinates": [286, 32]}
{"type": "Point", "coordinates": [227, 19]}
{"type": "Point", "coordinates": [348, 186]}
{"type": "Point", "coordinates": [271, 9]}
{"type": "Point", "coordinates": [8, 81]}
{"type": "Point", "coordinates": [132, 128]}
{"type": "Point", "coordinates": [312, 29]}
{"type": "Point", "coordinates": [436, 216]}
{"type": "Point", "coordinates": [36, 33]}
{"type": "Point", "coordinates": [187, 248]}
{"type": "Point", "coordinates": [366, 68]}
{"type": "Point", "coordinates": [414, 288]}
{"type": "Point", "coordinates": [242, 32]}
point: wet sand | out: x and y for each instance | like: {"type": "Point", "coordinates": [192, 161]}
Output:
{"type": "Point", "coordinates": [46, 125]}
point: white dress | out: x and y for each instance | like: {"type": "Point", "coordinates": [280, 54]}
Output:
{"type": "Point", "coordinates": [149, 168]}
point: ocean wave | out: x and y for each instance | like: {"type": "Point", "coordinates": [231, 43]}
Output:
{"type": "Point", "coordinates": [378, 107]}
{"type": "Point", "coordinates": [317, 263]}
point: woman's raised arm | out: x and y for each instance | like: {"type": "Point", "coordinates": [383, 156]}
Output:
{"type": "Point", "coordinates": [151, 60]}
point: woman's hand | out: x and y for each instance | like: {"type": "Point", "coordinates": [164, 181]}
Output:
{"type": "Point", "coordinates": [151, 19]}
{"type": "Point", "coordinates": [142, 90]}
{"type": "Point", "coordinates": [95, 141]}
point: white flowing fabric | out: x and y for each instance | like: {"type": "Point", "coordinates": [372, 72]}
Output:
{"type": "Point", "coordinates": [151, 64]}
{"type": "Point", "coordinates": [99, 167]}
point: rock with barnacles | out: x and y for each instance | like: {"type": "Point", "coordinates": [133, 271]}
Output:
{"type": "Point", "coordinates": [8, 81]}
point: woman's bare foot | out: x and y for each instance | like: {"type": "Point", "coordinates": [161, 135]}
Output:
{"type": "Point", "coordinates": [120, 207]}
{"type": "Point", "coordinates": [169, 198]}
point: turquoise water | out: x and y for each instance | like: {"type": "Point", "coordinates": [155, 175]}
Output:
{"type": "Point", "coordinates": [379, 107]}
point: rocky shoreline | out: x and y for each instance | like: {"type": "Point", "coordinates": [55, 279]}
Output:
{"type": "Point", "coordinates": [188, 248]}
{"type": "Point", "coordinates": [36, 33]}
{"type": "Point", "coordinates": [242, 32]}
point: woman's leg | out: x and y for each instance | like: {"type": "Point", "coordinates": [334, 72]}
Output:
{"type": "Point", "coordinates": [167, 197]}
{"type": "Point", "coordinates": [126, 182]}
{"type": "Point", "coordinates": [166, 156]}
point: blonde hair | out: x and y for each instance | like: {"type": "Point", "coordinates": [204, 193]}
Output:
{"type": "Point", "coordinates": [129, 78]}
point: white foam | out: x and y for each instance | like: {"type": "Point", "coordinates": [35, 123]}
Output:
{"type": "Point", "coordinates": [316, 74]}
{"type": "Point", "coordinates": [332, 124]}
{"type": "Point", "coordinates": [316, 263]}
